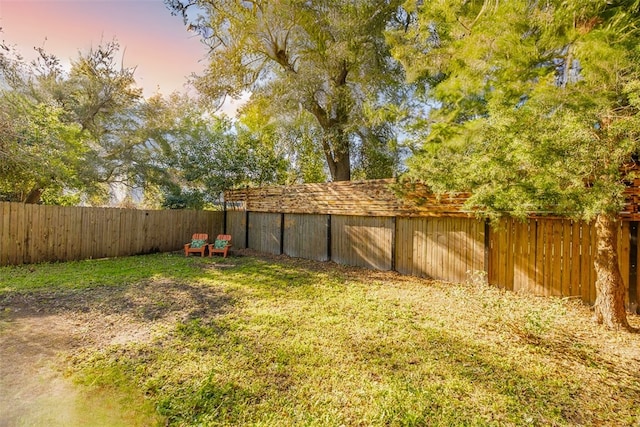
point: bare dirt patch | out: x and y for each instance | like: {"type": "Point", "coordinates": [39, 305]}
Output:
{"type": "Point", "coordinates": [40, 330]}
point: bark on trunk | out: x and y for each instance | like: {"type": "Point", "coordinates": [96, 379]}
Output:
{"type": "Point", "coordinates": [343, 170]}
{"type": "Point", "coordinates": [609, 305]}
{"type": "Point", "coordinates": [34, 196]}
{"type": "Point", "coordinates": [337, 153]}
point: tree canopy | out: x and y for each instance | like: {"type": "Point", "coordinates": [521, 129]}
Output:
{"type": "Point", "coordinates": [536, 111]}
{"type": "Point", "coordinates": [535, 100]}
{"type": "Point", "coordinates": [82, 135]}
{"type": "Point", "coordinates": [326, 59]}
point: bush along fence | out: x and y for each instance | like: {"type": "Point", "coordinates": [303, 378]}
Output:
{"type": "Point", "coordinates": [37, 233]}
{"type": "Point", "coordinates": [365, 224]}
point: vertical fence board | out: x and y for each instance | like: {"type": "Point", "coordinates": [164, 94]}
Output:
{"type": "Point", "coordinates": [73, 225]}
{"type": "Point", "coordinates": [592, 269]}
{"type": "Point", "coordinates": [406, 260]}
{"type": "Point", "coordinates": [236, 227]}
{"type": "Point", "coordinates": [57, 233]}
{"type": "Point", "coordinates": [50, 215]}
{"type": "Point", "coordinates": [575, 259]}
{"type": "Point", "coordinates": [555, 279]}
{"type": "Point", "coordinates": [585, 261]}
{"type": "Point", "coordinates": [34, 239]}
{"type": "Point", "coordinates": [362, 241]}
{"type": "Point", "coordinates": [623, 254]}
{"type": "Point", "coordinates": [305, 236]}
{"type": "Point", "coordinates": [264, 232]}
{"type": "Point", "coordinates": [429, 250]}
{"type": "Point", "coordinates": [567, 255]}
{"type": "Point", "coordinates": [18, 217]}
{"type": "Point", "coordinates": [421, 257]}
{"type": "Point", "coordinates": [176, 237]}
{"type": "Point", "coordinates": [519, 257]}
{"type": "Point", "coordinates": [4, 234]}
{"type": "Point", "coordinates": [637, 260]}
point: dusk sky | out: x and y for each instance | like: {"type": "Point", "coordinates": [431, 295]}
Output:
{"type": "Point", "coordinates": [150, 37]}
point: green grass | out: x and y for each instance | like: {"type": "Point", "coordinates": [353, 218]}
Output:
{"type": "Point", "coordinates": [90, 273]}
{"type": "Point", "coordinates": [302, 343]}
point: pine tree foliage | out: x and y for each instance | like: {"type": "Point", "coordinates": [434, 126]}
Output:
{"type": "Point", "coordinates": [537, 102]}
{"type": "Point", "coordinates": [537, 112]}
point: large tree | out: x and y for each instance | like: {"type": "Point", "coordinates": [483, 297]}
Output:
{"type": "Point", "coordinates": [198, 155]}
{"type": "Point", "coordinates": [75, 132]}
{"type": "Point", "coordinates": [328, 58]}
{"type": "Point", "coordinates": [537, 111]}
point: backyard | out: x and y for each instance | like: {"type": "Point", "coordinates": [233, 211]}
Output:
{"type": "Point", "coordinates": [274, 341]}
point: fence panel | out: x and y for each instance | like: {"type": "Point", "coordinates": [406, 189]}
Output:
{"type": "Point", "coordinates": [38, 233]}
{"type": "Point", "coordinates": [5, 244]}
{"type": "Point", "coordinates": [441, 248]}
{"type": "Point", "coordinates": [264, 232]}
{"type": "Point", "coordinates": [237, 228]}
{"type": "Point", "coordinates": [550, 257]}
{"type": "Point", "coordinates": [541, 256]}
{"type": "Point", "coordinates": [306, 236]}
{"type": "Point", "coordinates": [362, 241]}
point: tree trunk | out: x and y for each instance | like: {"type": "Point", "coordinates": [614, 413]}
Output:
{"type": "Point", "coordinates": [338, 155]}
{"type": "Point", "coordinates": [34, 196]}
{"type": "Point", "coordinates": [609, 305]}
{"type": "Point", "coordinates": [343, 170]}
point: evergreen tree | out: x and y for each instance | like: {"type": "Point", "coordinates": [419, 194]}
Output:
{"type": "Point", "coordinates": [536, 111]}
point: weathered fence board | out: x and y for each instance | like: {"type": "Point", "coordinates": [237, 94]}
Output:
{"type": "Point", "coordinates": [38, 233]}
{"type": "Point", "coordinates": [237, 228]}
{"type": "Point", "coordinates": [360, 198]}
{"type": "Point", "coordinates": [362, 241]}
{"type": "Point", "coordinates": [442, 248]}
{"type": "Point", "coordinates": [377, 197]}
{"type": "Point", "coordinates": [306, 236]}
{"type": "Point", "coordinates": [265, 232]}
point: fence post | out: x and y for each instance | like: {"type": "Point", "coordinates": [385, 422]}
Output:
{"type": "Point", "coordinates": [329, 237]}
{"type": "Point", "coordinates": [633, 267]}
{"type": "Point", "coordinates": [224, 217]}
{"type": "Point", "coordinates": [393, 243]}
{"type": "Point", "coordinates": [281, 233]}
{"type": "Point", "coordinates": [487, 248]}
{"type": "Point", "coordinates": [246, 229]}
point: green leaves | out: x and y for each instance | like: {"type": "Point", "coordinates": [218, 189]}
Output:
{"type": "Point", "coordinates": [537, 108]}
{"type": "Point", "coordinates": [67, 134]}
{"type": "Point", "coordinates": [328, 58]}
{"type": "Point", "coordinates": [39, 150]}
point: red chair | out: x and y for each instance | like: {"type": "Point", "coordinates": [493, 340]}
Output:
{"type": "Point", "coordinates": [198, 244]}
{"type": "Point", "coordinates": [221, 245]}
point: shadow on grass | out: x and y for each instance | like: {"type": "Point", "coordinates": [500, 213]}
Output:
{"type": "Point", "coordinates": [349, 358]}
{"type": "Point", "coordinates": [145, 288]}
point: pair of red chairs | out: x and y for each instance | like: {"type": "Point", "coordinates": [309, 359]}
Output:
{"type": "Point", "coordinates": [200, 244]}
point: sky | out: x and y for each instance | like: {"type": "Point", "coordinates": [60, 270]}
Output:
{"type": "Point", "coordinates": [155, 42]}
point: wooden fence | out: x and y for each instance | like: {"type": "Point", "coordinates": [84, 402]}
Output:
{"type": "Point", "coordinates": [36, 233]}
{"type": "Point", "coordinates": [548, 257]}
{"type": "Point", "coordinates": [367, 224]}
{"type": "Point", "coordinates": [543, 256]}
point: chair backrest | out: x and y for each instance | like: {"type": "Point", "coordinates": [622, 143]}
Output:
{"type": "Point", "coordinates": [226, 237]}
{"type": "Point", "coordinates": [200, 236]}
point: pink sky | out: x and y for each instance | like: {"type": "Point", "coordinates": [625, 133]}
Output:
{"type": "Point", "coordinates": [155, 41]}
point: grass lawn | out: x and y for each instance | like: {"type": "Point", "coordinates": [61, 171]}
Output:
{"type": "Point", "coordinates": [273, 341]}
